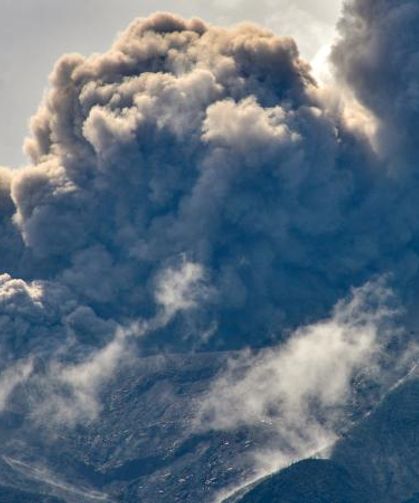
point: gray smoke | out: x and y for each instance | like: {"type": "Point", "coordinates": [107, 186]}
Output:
{"type": "Point", "coordinates": [199, 176]}
{"type": "Point", "coordinates": [378, 57]}
{"type": "Point", "coordinates": [190, 140]}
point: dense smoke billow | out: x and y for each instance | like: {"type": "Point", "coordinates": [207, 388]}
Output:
{"type": "Point", "coordinates": [195, 188]}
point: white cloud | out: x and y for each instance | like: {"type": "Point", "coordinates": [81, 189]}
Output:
{"type": "Point", "coordinates": [11, 377]}
{"type": "Point", "coordinates": [181, 288]}
{"type": "Point", "coordinates": [74, 389]}
{"type": "Point", "coordinates": [302, 387]}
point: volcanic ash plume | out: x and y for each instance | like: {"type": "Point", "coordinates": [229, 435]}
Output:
{"type": "Point", "coordinates": [210, 160]}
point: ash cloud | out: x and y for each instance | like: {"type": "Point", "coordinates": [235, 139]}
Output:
{"type": "Point", "coordinates": [188, 139]}
{"type": "Point", "coordinates": [378, 57]}
{"type": "Point", "coordinates": [214, 148]}
{"type": "Point", "coordinates": [68, 388]}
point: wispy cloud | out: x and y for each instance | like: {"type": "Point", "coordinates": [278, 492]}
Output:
{"type": "Point", "coordinates": [74, 390]}
{"type": "Point", "coordinates": [14, 375]}
{"type": "Point", "coordinates": [304, 388]}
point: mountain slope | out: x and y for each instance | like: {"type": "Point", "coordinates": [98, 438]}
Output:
{"type": "Point", "coordinates": [375, 461]}
{"type": "Point", "coordinates": [309, 481]}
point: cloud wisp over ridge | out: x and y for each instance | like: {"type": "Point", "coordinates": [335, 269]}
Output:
{"type": "Point", "coordinates": [306, 388]}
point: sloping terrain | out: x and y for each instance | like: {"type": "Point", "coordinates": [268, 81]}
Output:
{"type": "Point", "coordinates": [143, 446]}
{"type": "Point", "coordinates": [376, 461]}
{"type": "Point", "coordinates": [314, 481]}
{"type": "Point", "coordinates": [384, 447]}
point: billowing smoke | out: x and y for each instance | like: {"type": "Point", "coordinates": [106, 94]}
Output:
{"type": "Point", "coordinates": [212, 144]}
{"type": "Point", "coordinates": [195, 188]}
{"type": "Point", "coordinates": [190, 140]}
{"type": "Point", "coordinates": [67, 387]}
{"type": "Point", "coordinates": [378, 57]}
